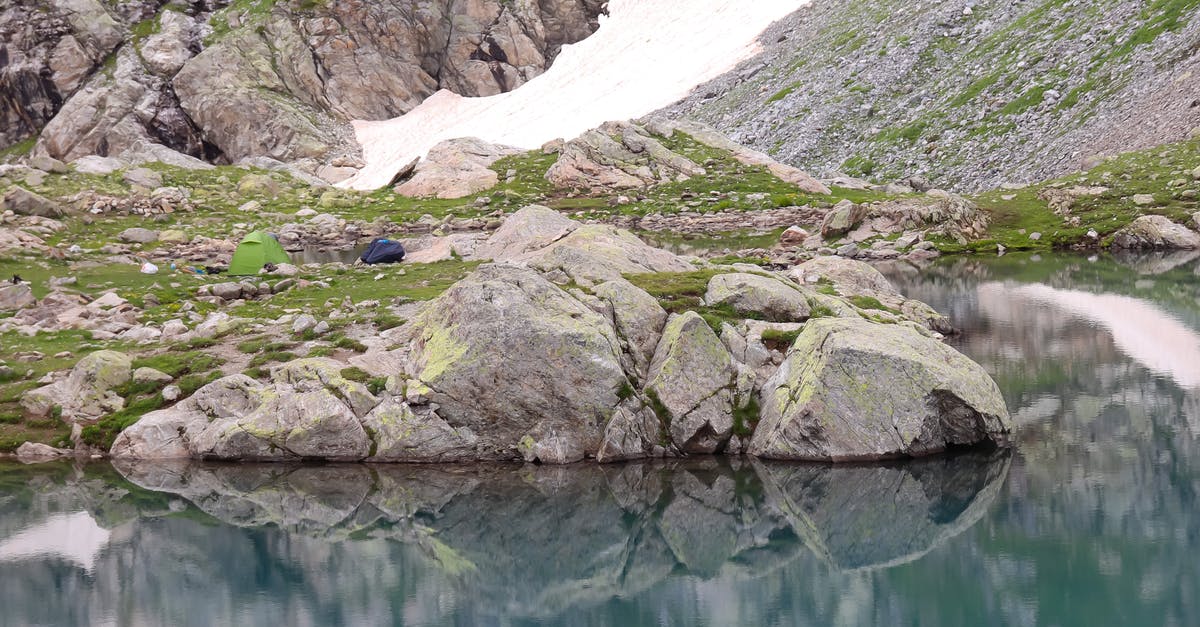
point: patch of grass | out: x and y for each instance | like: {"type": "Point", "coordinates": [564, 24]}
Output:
{"type": "Point", "coordinates": [375, 385]}
{"type": "Point", "coordinates": [779, 340]}
{"type": "Point", "coordinates": [745, 419]}
{"type": "Point", "coordinates": [263, 359]}
{"type": "Point", "coordinates": [784, 93]}
{"type": "Point", "coordinates": [179, 364]}
{"type": "Point", "coordinates": [870, 302]}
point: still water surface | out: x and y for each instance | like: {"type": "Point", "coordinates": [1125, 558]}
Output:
{"type": "Point", "coordinates": [1092, 520]}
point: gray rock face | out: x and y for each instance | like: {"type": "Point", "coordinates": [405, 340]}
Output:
{"type": "Point", "coordinates": [115, 110]}
{"type": "Point", "coordinates": [516, 360]}
{"type": "Point", "coordinates": [692, 377]}
{"type": "Point", "coordinates": [854, 390]}
{"type": "Point", "coordinates": [455, 169]}
{"type": "Point", "coordinates": [753, 294]}
{"type": "Point", "coordinates": [50, 48]}
{"type": "Point", "coordinates": [257, 91]}
{"type": "Point", "coordinates": [1156, 232]}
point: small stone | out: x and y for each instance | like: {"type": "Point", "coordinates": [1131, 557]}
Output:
{"type": "Point", "coordinates": [1035, 236]}
{"type": "Point", "coordinates": [1143, 200]}
{"type": "Point", "coordinates": [322, 328]}
{"type": "Point", "coordinates": [303, 323]}
{"type": "Point", "coordinates": [171, 393]}
{"type": "Point", "coordinates": [150, 375]}
{"type": "Point", "coordinates": [794, 235]}
{"type": "Point", "coordinates": [227, 291]}
{"type": "Point", "coordinates": [252, 206]}
{"type": "Point", "coordinates": [138, 235]}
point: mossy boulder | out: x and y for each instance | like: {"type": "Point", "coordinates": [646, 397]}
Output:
{"type": "Point", "coordinates": [758, 296]}
{"type": "Point", "coordinates": [855, 390]}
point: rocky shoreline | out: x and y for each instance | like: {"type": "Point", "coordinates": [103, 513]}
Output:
{"type": "Point", "coordinates": [551, 354]}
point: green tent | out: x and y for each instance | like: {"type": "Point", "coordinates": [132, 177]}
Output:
{"type": "Point", "coordinates": [257, 250]}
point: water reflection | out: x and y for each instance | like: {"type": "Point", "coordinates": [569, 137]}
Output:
{"type": "Point", "coordinates": [1092, 520]}
{"type": "Point", "coordinates": [209, 544]}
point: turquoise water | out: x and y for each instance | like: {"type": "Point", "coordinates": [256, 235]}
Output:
{"type": "Point", "coordinates": [1091, 520]}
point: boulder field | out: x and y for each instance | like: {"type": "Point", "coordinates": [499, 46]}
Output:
{"type": "Point", "coordinates": [551, 354]}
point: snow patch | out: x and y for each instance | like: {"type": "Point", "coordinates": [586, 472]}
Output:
{"type": "Point", "coordinates": [646, 55]}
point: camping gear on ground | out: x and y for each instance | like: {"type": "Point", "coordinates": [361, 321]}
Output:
{"type": "Point", "coordinates": [383, 251]}
{"type": "Point", "coordinates": [256, 250]}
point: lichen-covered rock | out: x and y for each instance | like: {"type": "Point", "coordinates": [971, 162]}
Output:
{"type": "Point", "coordinates": [313, 424]}
{"type": "Point", "coordinates": [87, 392]}
{"type": "Point", "coordinates": [856, 390]}
{"type": "Point", "coordinates": [515, 359]}
{"type": "Point", "coordinates": [753, 294]}
{"type": "Point", "coordinates": [691, 381]}
{"type": "Point", "coordinates": [402, 435]}
{"type": "Point", "coordinates": [1156, 232]}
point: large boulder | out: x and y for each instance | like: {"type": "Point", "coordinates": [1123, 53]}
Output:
{"type": "Point", "coordinates": [549, 241]}
{"type": "Point", "coordinates": [87, 392]}
{"type": "Point", "coordinates": [526, 231]}
{"type": "Point", "coordinates": [518, 361]}
{"type": "Point", "coordinates": [638, 318]}
{"type": "Point", "coordinates": [456, 168]}
{"type": "Point", "coordinates": [14, 297]}
{"type": "Point", "coordinates": [26, 203]}
{"type": "Point", "coordinates": [618, 155]}
{"type": "Point", "coordinates": [691, 385]}
{"type": "Point", "coordinates": [855, 390]}
{"type": "Point", "coordinates": [756, 295]}
{"type": "Point", "coordinates": [1156, 232]}
{"type": "Point", "coordinates": [842, 219]}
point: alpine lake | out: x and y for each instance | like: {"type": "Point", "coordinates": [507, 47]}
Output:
{"type": "Point", "coordinates": [1093, 518]}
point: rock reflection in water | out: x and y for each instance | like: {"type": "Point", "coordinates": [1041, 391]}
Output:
{"type": "Point", "coordinates": [387, 544]}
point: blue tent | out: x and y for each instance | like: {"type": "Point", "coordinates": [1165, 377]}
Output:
{"type": "Point", "coordinates": [383, 251]}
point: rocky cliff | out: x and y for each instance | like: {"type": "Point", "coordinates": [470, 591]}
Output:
{"type": "Point", "coordinates": [967, 93]}
{"type": "Point", "coordinates": [226, 81]}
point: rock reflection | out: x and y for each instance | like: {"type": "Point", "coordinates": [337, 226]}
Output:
{"type": "Point", "coordinates": [513, 541]}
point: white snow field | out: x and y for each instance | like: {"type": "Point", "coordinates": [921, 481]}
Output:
{"type": "Point", "coordinates": [646, 55]}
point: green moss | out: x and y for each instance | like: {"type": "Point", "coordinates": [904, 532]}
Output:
{"type": "Point", "coordinates": [870, 302]}
{"type": "Point", "coordinates": [784, 93]}
{"type": "Point", "coordinates": [263, 359]}
{"type": "Point", "coordinates": [747, 417]}
{"type": "Point", "coordinates": [779, 340]}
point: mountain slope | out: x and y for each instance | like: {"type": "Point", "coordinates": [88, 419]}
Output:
{"type": "Point", "coordinates": [969, 94]}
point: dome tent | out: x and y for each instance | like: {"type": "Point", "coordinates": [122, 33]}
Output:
{"type": "Point", "coordinates": [256, 250]}
{"type": "Point", "coordinates": [383, 250]}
